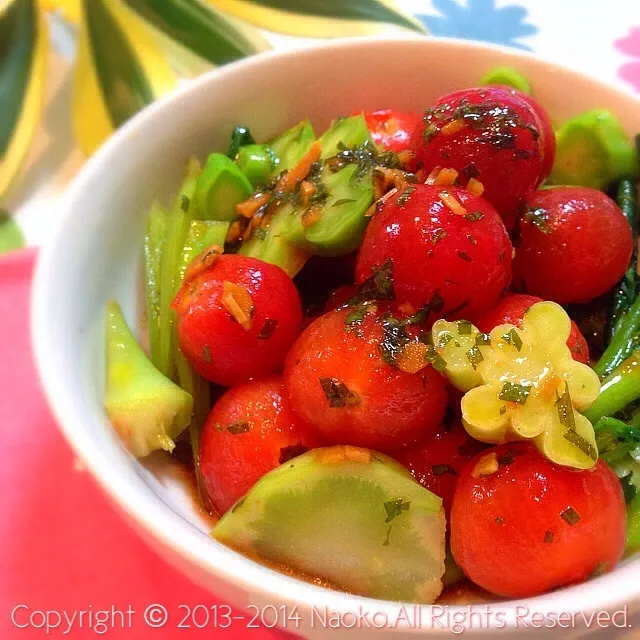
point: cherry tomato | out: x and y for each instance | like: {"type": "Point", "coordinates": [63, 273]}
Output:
{"type": "Point", "coordinates": [574, 245]}
{"type": "Point", "coordinates": [532, 526]}
{"type": "Point", "coordinates": [489, 134]}
{"type": "Point", "coordinates": [237, 319]}
{"type": "Point", "coordinates": [250, 431]}
{"type": "Point", "coordinates": [463, 261]}
{"type": "Point", "coordinates": [511, 308]}
{"type": "Point", "coordinates": [339, 296]}
{"type": "Point", "coordinates": [391, 129]}
{"type": "Point", "coordinates": [436, 461]}
{"type": "Point", "coordinates": [547, 134]}
{"type": "Point", "coordinates": [338, 381]}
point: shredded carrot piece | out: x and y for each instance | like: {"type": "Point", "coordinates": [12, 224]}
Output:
{"type": "Point", "coordinates": [486, 466]}
{"type": "Point", "coordinates": [235, 232]}
{"type": "Point", "coordinates": [248, 208]}
{"type": "Point", "coordinates": [237, 301]}
{"type": "Point", "coordinates": [407, 309]}
{"type": "Point", "coordinates": [446, 178]}
{"type": "Point", "coordinates": [433, 176]}
{"type": "Point", "coordinates": [404, 157]}
{"type": "Point", "coordinates": [413, 357]}
{"type": "Point", "coordinates": [297, 174]}
{"type": "Point", "coordinates": [453, 127]}
{"type": "Point", "coordinates": [475, 186]}
{"type": "Point", "coordinates": [346, 453]}
{"type": "Point", "coordinates": [452, 203]}
{"type": "Point", "coordinates": [311, 216]}
{"type": "Point", "coordinates": [376, 206]}
{"type": "Point", "coordinates": [202, 262]}
{"type": "Point", "coordinates": [307, 189]}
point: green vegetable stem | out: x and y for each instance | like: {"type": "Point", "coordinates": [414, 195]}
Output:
{"type": "Point", "coordinates": [623, 342]}
{"type": "Point", "coordinates": [619, 389]}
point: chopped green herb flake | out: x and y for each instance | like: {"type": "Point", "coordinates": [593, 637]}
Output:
{"type": "Point", "coordinates": [405, 196]}
{"type": "Point", "coordinates": [503, 410]}
{"type": "Point", "coordinates": [184, 203]}
{"type": "Point", "coordinates": [394, 339]}
{"type": "Point", "coordinates": [339, 203]}
{"type": "Point", "coordinates": [438, 235]}
{"type": "Point", "coordinates": [444, 340]}
{"type": "Point", "coordinates": [483, 339]}
{"type": "Point", "coordinates": [394, 508]}
{"type": "Point", "coordinates": [238, 427]}
{"type": "Point", "coordinates": [472, 239]}
{"type": "Point", "coordinates": [565, 410]}
{"type": "Point", "coordinates": [475, 357]}
{"type": "Point", "coordinates": [356, 317]}
{"type": "Point", "coordinates": [570, 516]}
{"type": "Point", "coordinates": [338, 394]}
{"type": "Point", "coordinates": [470, 171]}
{"type": "Point", "coordinates": [464, 327]}
{"type": "Point", "coordinates": [584, 445]}
{"type": "Point", "coordinates": [474, 216]}
{"type": "Point", "coordinates": [628, 488]}
{"type": "Point", "coordinates": [268, 328]}
{"type": "Point", "coordinates": [512, 337]}
{"type": "Point", "coordinates": [514, 392]}
{"type": "Point", "coordinates": [499, 520]}
{"type": "Point", "coordinates": [465, 256]}
{"type": "Point", "coordinates": [539, 218]}
{"type": "Point", "coordinates": [548, 537]}
{"type": "Point", "coordinates": [442, 469]}
{"type": "Point", "coordinates": [435, 359]}
{"type": "Point", "coordinates": [378, 286]}
{"type": "Point", "coordinates": [507, 458]}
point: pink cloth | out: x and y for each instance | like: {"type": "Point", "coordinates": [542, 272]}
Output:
{"type": "Point", "coordinates": [62, 546]}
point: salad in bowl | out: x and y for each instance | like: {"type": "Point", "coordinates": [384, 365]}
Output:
{"type": "Point", "coordinates": [401, 355]}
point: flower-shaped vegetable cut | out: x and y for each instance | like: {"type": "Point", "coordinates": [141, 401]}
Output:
{"type": "Point", "coordinates": [462, 348]}
{"type": "Point", "coordinates": [531, 388]}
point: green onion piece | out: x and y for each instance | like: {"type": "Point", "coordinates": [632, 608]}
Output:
{"type": "Point", "coordinates": [464, 327]}
{"type": "Point", "coordinates": [483, 339]}
{"type": "Point", "coordinates": [394, 508]}
{"type": "Point", "coordinates": [514, 392]}
{"type": "Point", "coordinates": [570, 516]}
{"type": "Point", "coordinates": [619, 388]}
{"type": "Point", "coordinates": [508, 77]}
{"type": "Point", "coordinates": [435, 359]}
{"type": "Point", "coordinates": [474, 355]}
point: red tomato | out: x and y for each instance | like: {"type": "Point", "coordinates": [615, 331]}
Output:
{"type": "Point", "coordinates": [511, 308]}
{"type": "Point", "coordinates": [533, 526]}
{"type": "Point", "coordinates": [250, 431]}
{"type": "Point", "coordinates": [464, 260]}
{"type": "Point", "coordinates": [338, 381]}
{"type": "Point", "coordinates": [547, 134]}
{"type": "Point", "coordinates": [436, 462]}
{"type": "Point", "coordinates": [220, 348]}
{"type": "Point", "coordinates": [490, 134]}
{"type": "Point", "coordinates": [574, 245]}
{"type": "Point", "coordinates": [391, 129]}
{"type": "Point", "coordinates": [339, 296]}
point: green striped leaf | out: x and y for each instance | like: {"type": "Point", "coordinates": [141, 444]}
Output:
{"type": "Point", "coordinates": [200, 28]}
{"type": "Point", "coordinates": [320, 18]}
{"type": "Point", "coordinates": [23, 51]}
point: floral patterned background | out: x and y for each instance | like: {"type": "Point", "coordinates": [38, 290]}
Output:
{"type": "Point", "coordinates": [582, 34]}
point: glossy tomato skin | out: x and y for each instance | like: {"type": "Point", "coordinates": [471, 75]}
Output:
{"type": "Point", "coordinates": [250, 431]}
{"type": "Point", "coordinates": [532, 525]}
{"type": "Point", "coordinates": [464, 259]}
{"type": "Point", "coordinates": [382, 407]}
{"type": "Point", "coordinates": [574, 245]}
{"type": "Point", "coordinates": [547, 133]}
{"type": "Point", "coordinates": [392, 130]}
{"type": "Point", "coordinates": [437, 461]}
{"type": "Point", "coordinates": [215, 344]}
{"type": "Point", "coordinates": [510, 309]}
{"type": "Point", "coordinates": [495, 139]}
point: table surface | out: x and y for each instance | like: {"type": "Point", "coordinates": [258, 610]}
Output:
{"type": "Point", "coordinates": [64, 548]}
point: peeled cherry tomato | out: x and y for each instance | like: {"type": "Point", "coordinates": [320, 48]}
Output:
{"type": "Point", "coordinates": [521, 525]}
{"type": "Point", "coordinates": [490, 134]}
{"type": "Point", "coordinates": [391, 129]}
{"type": "Point", "coordinates": [237, 319]}
{"type": "Point", "coordinates": [436, 461]}
{"type": "Point", "coordinates": [511, 308]}
{"type": "Point", "coordinates": [574, 245]}
{"type": "Point", "coordinates": [250, 431]}
{"type": "Point", "coordinates": [339, 382]}
{"type": "Point", "coordinates": [459, 263]}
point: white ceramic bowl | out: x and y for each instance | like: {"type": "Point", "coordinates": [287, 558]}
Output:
{"type": "Point", "coordinates": [94, 255]}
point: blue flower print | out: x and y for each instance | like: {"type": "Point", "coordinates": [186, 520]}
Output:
{"type": "Point", "coordinates": [480, 20]}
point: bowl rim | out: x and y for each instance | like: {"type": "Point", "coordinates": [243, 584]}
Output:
{"type": "Point", "coordinates": [608, 592]}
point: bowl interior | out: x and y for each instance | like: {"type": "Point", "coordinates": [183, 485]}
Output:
{"type": "Point", "coordinates": [94, 254]}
